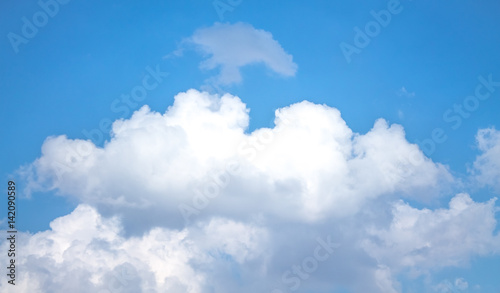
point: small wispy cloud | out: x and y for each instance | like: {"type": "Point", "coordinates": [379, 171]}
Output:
{"type": "Point", "coordinates": [403, 92]}
{"type": "Point", "coordinates": [401, 115]}
{"type": "Point", "coordinates": [446, 286]}
{"type": "Point", "coordinates": [229, 47]}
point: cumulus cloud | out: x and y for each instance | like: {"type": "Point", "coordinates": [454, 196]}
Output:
{"type": "Point", "coordinates": [190, 201]}
{"type": "Point", "coordinates": [310, 166]}
{"type": "Point", "coordinates": [232, 46]}
{"type": "Point", "coordinates": [84, 252]}
{"type": "Point", "coordinates": [486, 168]}
{"type": "Point", "coordinates": [423, 239]}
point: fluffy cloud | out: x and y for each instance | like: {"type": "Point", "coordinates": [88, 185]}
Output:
{"type": "Point", "coordinates": [423, 239]}
{"type": "Point", "coordinates": [310, 166]}
{"type": "Point", "coordinates": [232, 46]}
{"type": "Point", "coordinates": [256, 203]}
{"type": "Point", "coordinates": [84, 252]}
{"type": "Point", "coordinates": [487, 165]}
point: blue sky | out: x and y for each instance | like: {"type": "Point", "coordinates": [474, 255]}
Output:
{"type": "Point", "coordinates": [68, 78]}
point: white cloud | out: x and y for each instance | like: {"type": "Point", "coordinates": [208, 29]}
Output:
{"type": "Point", "coordinates": [309, 176]}
{"type": "Point", "coordinates": [423, 239]}
{"type": "Point", "coordinates": [487, 166]}
{"type": "Point", "coordinates": [385, 280]}
{"type": "Point", "coordinates": [461, 284]}
{"type": "Point", "coordinates": [446, 286]}
{"type": "Point", "coordinates": [308, 167]}
{"type": "Point", "coordinates": [86, 252]}
{"type": "Point", "coordinates": [232, 46]}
